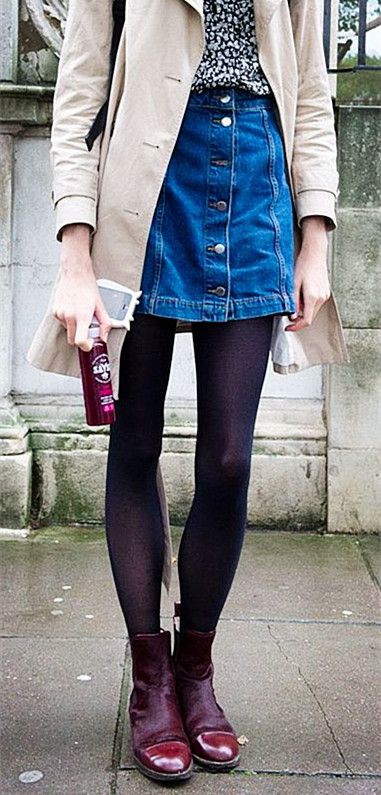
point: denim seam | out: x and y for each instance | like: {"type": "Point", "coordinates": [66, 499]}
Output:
{"type": "Point", "coordinates": [199, 304]}
{"type": "Point", "coordinates": [275, 191]}
{"type": "Point", "coordinates": [206, 208]}
{"type": "Point", "coordinates": [158, 246]}
{"type": "Point", "coordinates": [237, 310]}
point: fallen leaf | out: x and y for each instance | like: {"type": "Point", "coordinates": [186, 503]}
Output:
{"type": "Point", "coordinates": [242, 740]}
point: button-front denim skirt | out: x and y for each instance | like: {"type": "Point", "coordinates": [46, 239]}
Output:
{"type": "Point", "coordinates": [221, 245]}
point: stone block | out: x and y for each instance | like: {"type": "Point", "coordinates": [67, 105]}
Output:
{"type": "Point", "coordinates": [360, 168]}
{"type": "Point", "coordinates": [16, 479]}
{"type": "Point", "coordinates": [353, 394]}
{"type": "Point", "coordinates": [354, 491]}
{"type": "Point", "coordinates": [285, 491]}
{"type": "Point", "coordinates": [357, 270]}
{"type": "Point", "coordinates": [70, 485]}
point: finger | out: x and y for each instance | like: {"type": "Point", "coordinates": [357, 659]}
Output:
{"type": "Point", "coordinates": [309, 310]}
{"type": "Point", "coordinates": [70, 326]}
{"type": "Point", "coordinates": [82, 339]}
{"type": "Point", "coordinates": [59, 316]}
{"type": "Point", "coordinates": [298, 296]}
{"type": "Point", "coordinates": [299, 324]}
{"type": "Point", "coordinates": [104, 321]}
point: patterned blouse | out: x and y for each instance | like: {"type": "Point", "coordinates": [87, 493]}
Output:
{"type": "Point", "coordinates": [230, 56]}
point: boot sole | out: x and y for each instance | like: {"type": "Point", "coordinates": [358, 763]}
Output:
{"type": "Point", "coordinates": [216, 766]}
{"type": "Point", "coordinates": [163, 776]}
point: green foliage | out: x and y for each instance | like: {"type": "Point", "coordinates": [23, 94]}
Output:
{"type": "Point", "coordinates": [349, 12]}
{"type": "Point", "coordinates": [360, 88]}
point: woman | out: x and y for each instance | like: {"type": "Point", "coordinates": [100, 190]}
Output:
{"type": "Point", "coordinates": [218, 156]}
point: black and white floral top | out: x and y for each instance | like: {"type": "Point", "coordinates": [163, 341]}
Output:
{"type": "Point", "coordinates": [230, 56]}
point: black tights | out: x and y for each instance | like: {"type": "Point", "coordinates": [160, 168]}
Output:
{"type": "Point", "coordinates": [231, 360]}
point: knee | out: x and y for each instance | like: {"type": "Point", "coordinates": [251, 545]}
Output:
{"type": "Point", "coordinates": [234, 467]}
{"type": "Point", "coordinates": [145, 454]}
{"type": "Point", "coordinates": [230, 470]}
{"type": "Point", "coordinates": [136, 454]}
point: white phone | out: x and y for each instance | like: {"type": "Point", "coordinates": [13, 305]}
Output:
{"type": "Point", "coordinates": [119, 301]}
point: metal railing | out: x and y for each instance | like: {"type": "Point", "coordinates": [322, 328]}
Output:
{"type": "Point", "coordinates": [361, 64]}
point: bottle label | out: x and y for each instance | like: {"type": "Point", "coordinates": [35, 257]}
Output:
{"type": "Point", "coordinates": [101, 369]}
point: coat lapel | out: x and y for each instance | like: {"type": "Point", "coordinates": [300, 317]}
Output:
{"type": "Point", "coordinates": [263, 12]}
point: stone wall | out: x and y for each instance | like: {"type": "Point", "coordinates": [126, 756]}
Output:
{"type": "Point", "coordinates": [353, 391]}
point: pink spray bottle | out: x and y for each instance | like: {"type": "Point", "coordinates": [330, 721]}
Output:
{"type": "Point", "coordinates": [96, 380]}
{"type": "Point", "coordinates": [120, 302]}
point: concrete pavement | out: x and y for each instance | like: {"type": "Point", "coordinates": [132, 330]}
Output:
{"type": "Point", "coordinates": [296, 667]}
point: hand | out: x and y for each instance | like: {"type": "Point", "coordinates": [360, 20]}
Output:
{"type": "Point", "coordinates": [311, 281]}
{"type": "Point", "coordinates": [77, 296]}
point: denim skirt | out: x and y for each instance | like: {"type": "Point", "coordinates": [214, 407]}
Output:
{"type": "Point", "coordinates": [220, 245]}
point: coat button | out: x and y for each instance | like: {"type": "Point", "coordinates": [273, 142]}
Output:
{"type": "Point", "coordinates": [220, 290]}
{"type": "Point", "coordinates": [225, 98]}
{"type": "Point", "coordinates": [219, 248]}
{"type": "Point", "coordinates": [221, 205]}
{"type": "Point", "coordinates": [226, 121]}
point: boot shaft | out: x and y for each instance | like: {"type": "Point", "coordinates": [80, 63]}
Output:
{"type": "Point", "coordinates": [151, 658]}
{"type": "Point", "coordinates": [192, 649]}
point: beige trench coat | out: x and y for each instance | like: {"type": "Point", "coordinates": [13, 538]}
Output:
{"type": "Point", "coordinates": [114, 188]}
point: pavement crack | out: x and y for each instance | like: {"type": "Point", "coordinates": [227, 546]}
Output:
{"type": "Point", "coordinates": [368, 565]}
{"type": "Point", "coordinates": [120, 721]}
{"type": "Point", "coordinates": [314, 696]}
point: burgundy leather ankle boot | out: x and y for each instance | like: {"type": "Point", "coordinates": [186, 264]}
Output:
{"type": "Point", "coordinates": [212, 739]}
{"type": "Point", "coordinates": [160, 746]}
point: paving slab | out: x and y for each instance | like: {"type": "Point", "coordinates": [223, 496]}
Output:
{"type": "Point", "coordinates": [298, 576]}
{"type": "Point", "coordinates": [243, 784]}
{"type": "Point", "coordinates": [56, 723]}
{"type": "Point", "coordinates": [279, 576]}
{"type": "Point", "coordinates": [64, 565]}
{"type": "Point", "coordinates": [295, 656]}
{"type": "Point", "coordinates": [303, 695]}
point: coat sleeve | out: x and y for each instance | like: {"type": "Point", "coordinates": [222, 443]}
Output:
{"type": "Point", "coordinates": [314, 168]}
{"type": "Point", "coordinates": [81, 88]}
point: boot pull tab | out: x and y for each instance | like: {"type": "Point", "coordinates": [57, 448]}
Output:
{"type": "Point", "coordinates": [176, 617]}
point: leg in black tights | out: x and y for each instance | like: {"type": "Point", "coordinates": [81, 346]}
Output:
{"type": "Point", "coordinates": [134, 529]}
{"type": "Point", "coordinates": [231, 360]}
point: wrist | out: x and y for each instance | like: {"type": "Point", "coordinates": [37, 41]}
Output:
{"type": "Point", "coordinates": [314, 231]}
{"type": "Point", "coordinates": [75, 249]}
{"type": "Point", "coordinates": [77, 233]}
